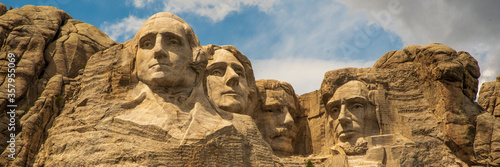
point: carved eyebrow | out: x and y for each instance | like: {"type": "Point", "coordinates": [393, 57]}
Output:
{"type": "Point", "coordinates": [358, 99]}
{"type": "Point", "coordinates": [331, 104]}
{"type": "Point", "coordinates": [272, 105]}
{"type": "Point", "coordinates": [174, 36]}
{"type": "Point", "coordinates": [216, 64]}
{"type": "Point", "coordinates": [165, 34]}
{"type": "Point", "coordinates": [147, 35]}
{"type": "Point", "coordinates": [237, 67]}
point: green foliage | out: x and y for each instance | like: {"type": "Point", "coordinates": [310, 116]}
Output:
{"type": "Point", "coordinates": [309, 164]}
{"type": "Point", "coordinates": [27, 108]}
{"type": "Point", "coordinates": [59, 100]}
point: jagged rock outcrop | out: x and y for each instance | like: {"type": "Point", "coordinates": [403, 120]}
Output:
{"type": "Point", "coordinates": [83, 100]}
{"type": "Point", "coordinates": [50, 48]}
{"type": "Point", "coordinates": [489, 97]}
{"type": "Point", "coordinates": [3, 9]}
{"type": "Point", "coordinates": [425, 96]}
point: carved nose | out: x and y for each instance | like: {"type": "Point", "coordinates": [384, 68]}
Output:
{"type": "Point", "coordinates": [288, 118]}
{"type": "Point", "coordinates": [344, 116]}
{"type": "Point", "coordinates": [232, 78]}
{"type": "Point", "coordinates": [158, 49]}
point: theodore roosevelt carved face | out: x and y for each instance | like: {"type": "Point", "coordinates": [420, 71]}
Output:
{"type": "Point", "coordinates": [276, 121]}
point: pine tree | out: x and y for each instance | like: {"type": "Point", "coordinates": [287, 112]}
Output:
{"type": "Point", "coordinates": [309, 164]}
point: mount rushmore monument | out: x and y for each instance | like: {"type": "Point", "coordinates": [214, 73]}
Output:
{"type": "Point", "coordinates": [162, 99]}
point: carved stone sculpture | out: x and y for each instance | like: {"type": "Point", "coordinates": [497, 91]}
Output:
{"type": "Point", "coordinates": [143, 102]}
{"type": "Point", "coordinates": [230, 80]}
{"type": "Point", "coordinates": [161, 99]}
{"type": "Point", "coordinates": [350, 109]}
{"type": "Point", "coordinates": [275, 119]}
{"type": "Point", "coordinates": [169, 66]}
{"type": "Point", "coordinates": [430, 106]}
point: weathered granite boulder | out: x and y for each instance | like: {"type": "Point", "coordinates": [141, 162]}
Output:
{"type": "Point", "coordinates": [489, 97]}
{"type": "Point", "coordinates": [49, 48]}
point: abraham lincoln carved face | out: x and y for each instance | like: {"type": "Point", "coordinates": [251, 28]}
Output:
{"type": "Point", "coordinates": [353, 116]}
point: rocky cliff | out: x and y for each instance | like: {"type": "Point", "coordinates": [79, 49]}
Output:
{"type": "Point", "coordinates": [79, 101]}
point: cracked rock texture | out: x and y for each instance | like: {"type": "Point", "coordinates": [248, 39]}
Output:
{"type": "Point", "coordinates": [50, 49]}
{"type": "Point", "coordinates": [72, 81]}
{"type": "Point", "coordinates": [489, 97]}
{"type": "Point", "coordinates": [425, 94]}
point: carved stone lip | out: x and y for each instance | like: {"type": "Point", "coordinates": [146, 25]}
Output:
{"type": "Point", "coordinates": [285, 133]}
{"type": "Point", "coordinates": [287, 136]}
{"type": "Point", "coordinates": [157, 64]}
{"type": "Point", "coordinates": [347, 132]}
{"type": "Point", "coordinates": [229, 92]}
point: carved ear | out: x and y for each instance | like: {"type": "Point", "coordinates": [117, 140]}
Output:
{"type": "Point", "coordinates": [372, 94]}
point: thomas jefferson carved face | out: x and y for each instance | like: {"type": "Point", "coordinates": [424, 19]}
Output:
{"type": "Point", "coordinates": [226, 82]}
{"type": "Point", "coordinates": [276, 122]}
{"type": "Point", "coordinates": [164, 54]}
{"type": "Point", "coordinates": [348, 106]}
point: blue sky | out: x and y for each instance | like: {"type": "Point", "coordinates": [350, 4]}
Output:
{"type": "Point", "coordinates": [297, 41]}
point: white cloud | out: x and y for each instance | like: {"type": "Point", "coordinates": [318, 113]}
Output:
{"type": "Point", "coordinates": [216, 10]}
{"type": "Point", "coordinates": [305, 74]}
{"type": "Point", "coordinates": [123, 30]}
{"type": "Point", "coordinates": [141, 3]}
{"type": "Point", "coordinates": [298, 46]}
{"type": "Point", "coordinates": [308, 37]}
{"type": "Point", "coordinates": [463, 25]}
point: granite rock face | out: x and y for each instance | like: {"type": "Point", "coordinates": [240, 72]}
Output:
{"type": "Point", "coordinates": [489, 97]}
{"type": "Point", "coordinates": [163, 99]}
{"type": "Point", "coordinates": [424, 98]}
{"type": "Point", "coordinates": [49, 48]}
{"type": "Point", "coordinates": [123, 110]}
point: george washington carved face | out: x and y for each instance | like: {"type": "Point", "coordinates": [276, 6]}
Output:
{"type": "Point", "coordinates": [164, 54]}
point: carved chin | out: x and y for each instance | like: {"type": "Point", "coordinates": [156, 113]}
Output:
{"type": "Point", "coordinates": [231, 106]}
{"type": "Point", "coordinates": [156, 79]}
{"type": "Point", "coordinates": [282, 145]}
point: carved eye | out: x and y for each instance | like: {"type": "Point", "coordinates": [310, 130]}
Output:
{"type": "Point", "coordinates": [335, 109]}
{"type": "Point", "coordinates": [240, 73]}
{"type": "Point", "coordinates": [147, 44]}
{"type": "Point", "coordinates": [276, 111]}
{"type": "Point", "coordinates": [217, 72]}
{"type": "Point", "coordinates": [174, 42]}
{"type": "Point", "coordinates": [357, 106]}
